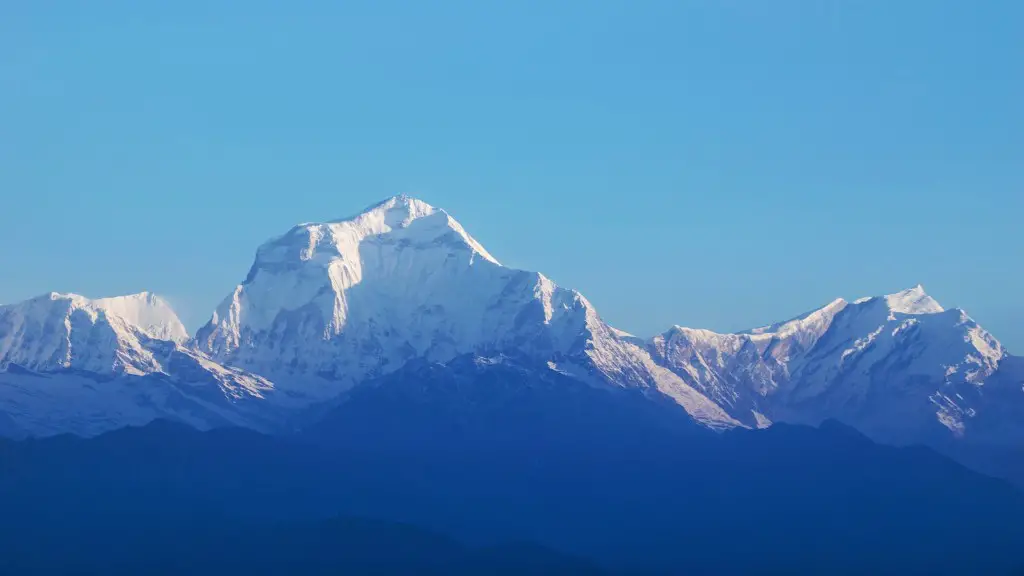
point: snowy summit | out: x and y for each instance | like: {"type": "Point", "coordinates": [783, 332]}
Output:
{"type": "Point", "coordinates": [103, 335]}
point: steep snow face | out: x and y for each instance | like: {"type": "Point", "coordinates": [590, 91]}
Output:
{"type": "Point", "coordinates": [328, 305]}
{"type": "Point", "coordinates": [148, 313]}
{"type": "Point", "coordinates": [898, 367]}
{"type": "Point", "coordinates": [71, 364]}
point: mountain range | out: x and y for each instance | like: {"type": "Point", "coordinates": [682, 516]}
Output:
{"type": "Point", "coordinates": [330, 307]}
{"type": "Point", "coordinates": [380, 395]}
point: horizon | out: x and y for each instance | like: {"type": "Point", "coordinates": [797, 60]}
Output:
{"type": "Point", "coordinates": [716, 166]}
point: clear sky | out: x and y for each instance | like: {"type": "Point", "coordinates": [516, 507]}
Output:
{"type": "Point", "coordinates": [712, 163]}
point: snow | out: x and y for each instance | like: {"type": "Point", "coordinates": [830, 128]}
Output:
{"type": "Point", "coordinates": [761, 420]}
{"type": "Point", "coordinates": [72, 364]}
{"type": "Point", "coordinates": [328, 305]}
{"type": "Point", "coordinates": [70, 331]}
{"type": "Point", "coordinates": [889, 365]}
{"type": "Point", "coordinates": [912, 301]}
{"type": "Point", "coordinates": [148, 313]}
{"type": "Point", "coordinates": [810, 323]}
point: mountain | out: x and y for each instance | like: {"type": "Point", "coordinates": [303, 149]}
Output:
{"type": "Point", "coordinates": [67, 331]}
{"type": "Point", "coordinates": [328, 305]}
{"type": "Point", "coordinates": [71, 364]}
{"type": "Point", "coordinates": [899, 367]}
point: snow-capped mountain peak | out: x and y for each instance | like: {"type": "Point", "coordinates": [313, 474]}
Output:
{"type": "Point", "coordinates": [894, 366]}
{"type": "Point", "coordinates": [314, 265]}
{"type": "Point", "coordinates": [396, 261]}
{"type": "Point", "coordinates": [396, 213]}
{"type": "Point", "coordinates": [74, 364]}
{"type": "Point", "coordinates": [912, 301]}
{"type": "Point", "coordinates": [68, 331]}
{"type": "Point", "coordinates": [338, 302]}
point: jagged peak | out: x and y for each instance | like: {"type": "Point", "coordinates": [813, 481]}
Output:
{"type": "Point", "coordinates": [401, 216]}
{"type": "Point", "coordinates": [394, 212]}
{"type": "Point", "coordinates": [913, 301]}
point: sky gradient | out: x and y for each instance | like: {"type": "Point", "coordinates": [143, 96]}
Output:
{"type": "Point", "coordinates": [712, 164]}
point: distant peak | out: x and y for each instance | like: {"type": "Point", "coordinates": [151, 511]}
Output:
{"type": "Point", "coordinates": [916, 289]}
{"type": "Point", "coordinates": [913, 301]}
{"type": "Point", "coordinates": [401, 217]}
{"type": "Point", "coordinates": [401, 201]}
{"type": "Point", "coordinates": [146, 312]}
{"type": "Point", "coordinates": [402, 210]}
{"type": "Point", "coordinates": [396, 211]}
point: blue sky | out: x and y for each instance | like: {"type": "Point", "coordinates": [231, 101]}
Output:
{"type": "Point", "coordinates": [721, 164]}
